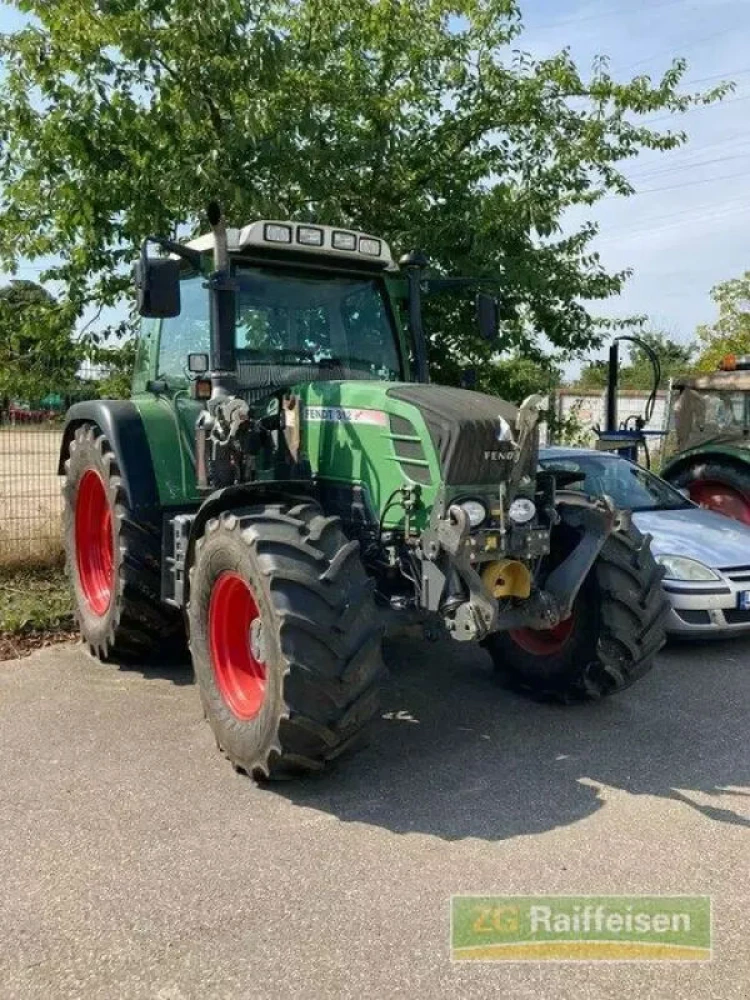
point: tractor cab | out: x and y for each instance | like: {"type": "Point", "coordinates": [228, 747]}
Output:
{"type": "Point", "coordinates": [307, 303]}
{"type": "Point", "coordinates": [289, 302]}
{"type": "Point", "coordinates": [271, 340]}
{"type": "Point", "coordinates": [709, 425]}
{"type": "Point", "coordinates": [713, 407]}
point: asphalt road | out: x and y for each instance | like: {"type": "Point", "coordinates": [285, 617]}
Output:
{"type": "Point", "coordinates": [135, 863]}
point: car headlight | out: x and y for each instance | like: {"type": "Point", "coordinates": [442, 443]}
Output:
{"type": "Point", "coordinates": [475, 511]}
{"type": "Point", "coordinates": [681, 568]}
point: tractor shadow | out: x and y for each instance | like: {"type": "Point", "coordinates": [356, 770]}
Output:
{"type": "Point", "coordinates": [172, 665]}
{"type": "Point", "coordinates": [455, 755]}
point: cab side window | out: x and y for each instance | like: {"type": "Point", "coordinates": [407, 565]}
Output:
{"type": "Point", "coordinates": [148, 335]}
{"type": "Point", "coordinates": [368, 332]}
{"type": "Point", "coordinates": [184, 334]}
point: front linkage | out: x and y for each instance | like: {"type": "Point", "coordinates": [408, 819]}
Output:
{"type": "Point", "coordinates": [501, 593]}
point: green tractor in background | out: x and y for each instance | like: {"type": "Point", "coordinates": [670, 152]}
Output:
{"type": "Point", "coordinates": [284, 468]}
{"type": "Point", "coordinates": [710, 438]}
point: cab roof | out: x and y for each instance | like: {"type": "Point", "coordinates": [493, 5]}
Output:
{"type": "Point", "coordinates": [716, 381]}
{"type": "Point", "coordinates": [307, 238]}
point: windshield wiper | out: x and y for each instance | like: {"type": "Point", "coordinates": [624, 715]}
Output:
{"type": "Point", "coordinates": [272, 355]}
{"type": "Point", "coordinates": [356, 363]}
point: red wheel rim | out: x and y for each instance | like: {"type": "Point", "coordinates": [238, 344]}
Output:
{"type": "Point", "coordinates": [721, 498]}
{"type": "Point", "coordinates": [240, 675]}
{"type": "Point", "coordinates": [95, 552]}
{"type": "Point", "coordinates": [543, 642]}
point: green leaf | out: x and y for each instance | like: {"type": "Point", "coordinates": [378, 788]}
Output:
{"type": "Point", "coordinates": [422, 121]}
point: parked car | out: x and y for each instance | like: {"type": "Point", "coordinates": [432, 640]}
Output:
{"type": "Point", "coordinates": [706, 555]}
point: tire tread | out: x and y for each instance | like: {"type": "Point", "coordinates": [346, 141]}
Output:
{"type": "Point", "coordinates": [329, 644]}
{"type": "Point", "coordinates": [633, 614]}
{"type": "Point", "coordinates": [139, 624]}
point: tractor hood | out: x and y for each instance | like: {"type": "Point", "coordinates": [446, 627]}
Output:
{"type": "Point", "coordinates": [469, 430]}
{"type": "Point", "coordinates": [384, 435]}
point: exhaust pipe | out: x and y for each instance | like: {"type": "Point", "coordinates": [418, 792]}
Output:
{"type": "Point", "coordinates": [223, 311]}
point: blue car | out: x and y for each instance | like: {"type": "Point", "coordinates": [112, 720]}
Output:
{"type": "Point", "coordinates": [706, 556]}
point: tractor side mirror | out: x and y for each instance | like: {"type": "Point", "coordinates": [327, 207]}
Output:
{"type": "Point", "coordinates": [198, 364]}
{"type": "Point", "coordinates": [157, 282]}
{"type": "Point", "coordinates": [488, 317]}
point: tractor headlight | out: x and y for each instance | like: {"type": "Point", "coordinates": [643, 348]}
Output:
{"type": "Point", "coordinates": [343, 241]}
{"type": "Point", "coordinates": [522, 510]}
{"type": "Point", "coordinates": [275, 232]}
{"type": "Point", "coordinates": [369, 246]}
{"type": "Point", "coordinates": [475, 511]}
{"type": "Point", "coordinates": [310, 236]}
{"type": "Point", "coordinates": [681, 568]}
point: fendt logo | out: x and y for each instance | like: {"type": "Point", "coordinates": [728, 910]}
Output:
{"type": "Point", "coordinates": [498, 456]}
{"type": "Point", "coordinates": [504, 432]}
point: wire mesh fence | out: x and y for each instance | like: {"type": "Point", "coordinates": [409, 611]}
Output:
{"type": "Point", "coordinates": [30, 498]}
{"type": "Point", "coordinates": [31, 425]}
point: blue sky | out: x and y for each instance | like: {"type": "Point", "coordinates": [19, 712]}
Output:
{"type": "Point", "coordinates": [688, 227]}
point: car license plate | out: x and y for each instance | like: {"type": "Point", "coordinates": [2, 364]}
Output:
{"type": "Point", "coordinates": [743, 600]}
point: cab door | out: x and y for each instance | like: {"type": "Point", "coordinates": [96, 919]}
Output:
{"type": "Point", "coordinates": [163, 391]}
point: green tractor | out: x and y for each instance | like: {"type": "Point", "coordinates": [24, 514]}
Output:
{"type": "Point", "coordinates": [285, 469]}
{"type": "Point", "coordinates": [710, 438]}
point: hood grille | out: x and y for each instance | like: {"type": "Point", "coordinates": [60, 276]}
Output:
{"type": "Point", "coordinates": [737, 574]}
{"type": "Point", "coordinates": [410, 453]}
{"type": "Point", "coordinates": [463, 426]}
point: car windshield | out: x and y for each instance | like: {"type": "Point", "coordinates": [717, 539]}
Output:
{"type": "Point", "coordinates": [631, 487]}
{"type": "Point", "coordinates": [339, 326]}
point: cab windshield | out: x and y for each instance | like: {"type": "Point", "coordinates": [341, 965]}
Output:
{"type": "Point", "coordinates": [704, 415]}
{"type": "Point", "coordinates": [328, 327]}
{"type": "Point", "coordinates": [631, 487]}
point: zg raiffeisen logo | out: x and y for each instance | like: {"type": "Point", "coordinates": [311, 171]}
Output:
{"type": "Point", "coordinates": [581, 928]}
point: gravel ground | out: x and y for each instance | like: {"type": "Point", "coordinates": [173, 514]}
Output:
{"type": "Point", "coordinates": [136, 863]}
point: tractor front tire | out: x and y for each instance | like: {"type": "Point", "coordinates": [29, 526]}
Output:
{"type": "Point", "coordinates": [609, 641]}
{"type": "Point", "coordinates": [113, 559]}
{"type": "Point", "coordinates": [284, 637]}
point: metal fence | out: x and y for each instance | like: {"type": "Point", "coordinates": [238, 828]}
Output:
{"type": "Point", "coordinates": [30, 498]}
{"type": "Point", "coordinates": [30, 490]}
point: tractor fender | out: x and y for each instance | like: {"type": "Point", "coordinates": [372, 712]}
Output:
{"type": "Point", "coordinates": [121, 424]}
{"type": "Point", "coordinates": [245, 495]}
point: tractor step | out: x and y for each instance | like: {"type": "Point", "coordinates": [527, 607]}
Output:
{"type": "Point", "coordinates": [176, 536]}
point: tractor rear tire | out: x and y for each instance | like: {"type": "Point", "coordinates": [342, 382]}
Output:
{"type": "Point", "coordinates": [609, 641]}
{"type": "Point", "coordinates": [284, 637]}
{"type": "Point", "coordinates": [113, 559]}
{"type": "Point", "coordinates": [718, 486]}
